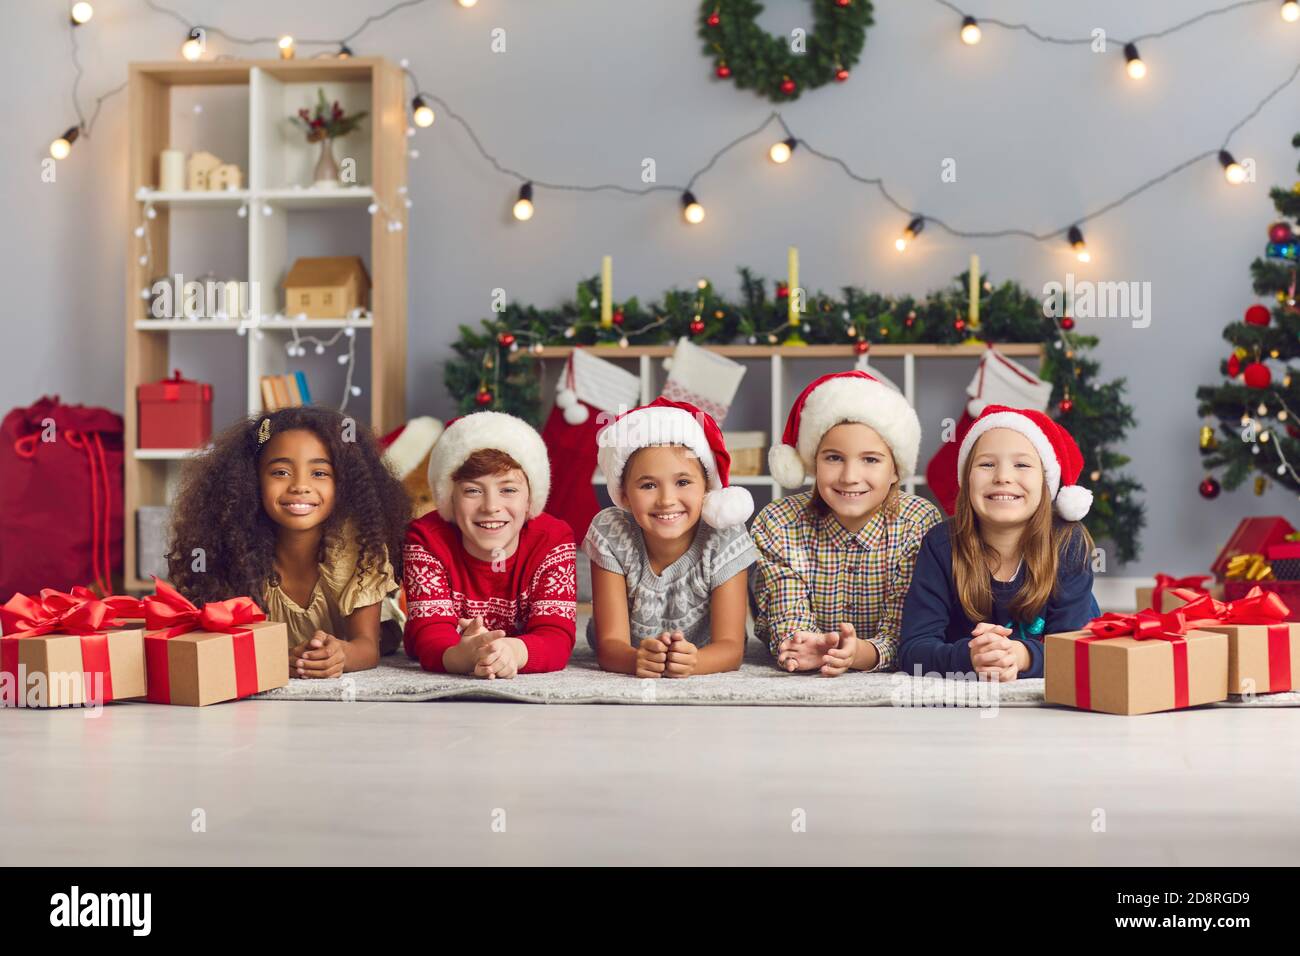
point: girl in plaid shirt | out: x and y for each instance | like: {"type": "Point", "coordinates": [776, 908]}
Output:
{"type": "Point", "coordinates": [835, 562]}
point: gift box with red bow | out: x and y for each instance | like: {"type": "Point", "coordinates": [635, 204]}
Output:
{"type": "Point", "coordinates": [70, 649]}
{"type": "Point", "coordinates": [1161, 596]}
{"type": "Point", "coordinates": [1136, 664]}
{"type": "Point", "coordinates": [1263, 646]}
{"type": "Point", "coordinates": [224, 651]}
{"type": "Point", "coordinates": [174, 413]}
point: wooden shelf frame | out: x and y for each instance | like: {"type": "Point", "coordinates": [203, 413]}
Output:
{"type": "Point", "coordinates": [371, 83]}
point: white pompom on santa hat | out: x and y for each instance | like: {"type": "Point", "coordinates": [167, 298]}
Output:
{"type": "Point", "coordinates": [844, 397]}
{"type": "Point", "coordinates": [1060, 455]}
{"type": "Point", "coordinates": [665, 422]}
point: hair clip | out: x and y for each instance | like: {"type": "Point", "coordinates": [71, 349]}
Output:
{"type": "Point", "coordinates": [264, 432]}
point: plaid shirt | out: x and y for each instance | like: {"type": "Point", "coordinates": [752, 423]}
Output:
{"type": "Point", "coordinates": [813, 573]}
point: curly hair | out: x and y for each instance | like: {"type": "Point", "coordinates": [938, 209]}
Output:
{"type": "Point", "coordinates": [219, 507]}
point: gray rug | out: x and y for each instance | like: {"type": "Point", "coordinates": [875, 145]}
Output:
{"type": "Point", "coordinates": [758, 682]}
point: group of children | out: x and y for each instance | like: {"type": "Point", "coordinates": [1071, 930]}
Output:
{"type": "Point", "coordinates": [300, 512]}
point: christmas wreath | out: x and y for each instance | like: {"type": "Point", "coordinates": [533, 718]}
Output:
{"type": "Point", "coordinates": [781, 68]}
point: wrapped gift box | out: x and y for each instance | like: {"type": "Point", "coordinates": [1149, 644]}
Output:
{"type": "Point", "coordinates": [1253, 536]}
{"type": "Point", "coordinates": [85, 653]}
{"type": "Point", "coordinates": [1262, 658]}
{"type": "Point", "coordinates": [174, 413]}
{"type": "Point", "coordinates": [201, 667]}
{"type": "Point", "coordinates": [1284, 558]}
{"type": "Point", "coordinates": [1288, 591]}
{"type": "Point", "coordinates": [1169, 600]}
{"type": "Point", "coordinates": [1124, 675]}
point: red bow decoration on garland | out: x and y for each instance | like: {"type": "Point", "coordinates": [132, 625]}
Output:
{"type": "Point", "coordinates": [171, 614]}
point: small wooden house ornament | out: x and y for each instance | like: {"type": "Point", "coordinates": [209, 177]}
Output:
{"type": "Point", "coordinates": [326, 287]}
{"type": "Point", "coordinates": [225, 176]}
{"type": "Point", "coordinates": [199, 168]}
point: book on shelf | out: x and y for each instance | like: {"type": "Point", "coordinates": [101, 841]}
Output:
{"type": "Point", "coordinates": [284, 391]}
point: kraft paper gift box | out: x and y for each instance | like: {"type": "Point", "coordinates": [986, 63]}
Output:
{"type": "Point", "coordinates": [69, 650]}
{"type": "Point", "coordinates": [1263, 639]}
{"type": "Point", "coordinates": [1165, 584]}
{"type": "Point", "coordinates": [226, 651]}
{"type": "Point", "coordinates": [1126, 675]}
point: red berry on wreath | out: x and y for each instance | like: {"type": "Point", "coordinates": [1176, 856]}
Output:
{"type": "Point", "coordinates": [861, 346]}
{"type": "Point", "coordinates": [1257, 375]}
{"type": "Point", "coordinates": [713, 19]}
{"type": "Point", "coordinates": [505, 340]}
{"type": "Point", "coordinates": [1065, 405]}
{"type": "Point", "coordinates": [842, 3]}
{"type": "Point", "coordinates": [1209, 488]}
{"type": "Point", "coordinates": [723, 71]}
{"type": "Point", "coordinates": [484, 397]}
{"type": "Point", "coordinates": [959, 324]}
{"type": "Point", "coordinates": [782, 291]}
{"type": "Point", "coordinates": [788, 86]}
{"type": "Point", "coordinates": [617, 317]}
{"type": "Point", "coordinates": [697, 326]}
{"type": "Point", "coordinates": [841, 74]}
{"type": "Point", "coordinates": [1257, 315]}
{"type": "Point", "coordinates": [1067, 323]}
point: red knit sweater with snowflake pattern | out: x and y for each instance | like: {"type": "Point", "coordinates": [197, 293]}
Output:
{"type": "Point", "coordinates": [532, 595]}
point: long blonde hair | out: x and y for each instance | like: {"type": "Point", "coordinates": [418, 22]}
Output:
{"type": "Point", "coordinates": [1042, 542]}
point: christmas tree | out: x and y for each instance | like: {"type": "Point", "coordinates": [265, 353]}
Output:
{"type": "Point", "coordinates": [1258, 431]}
{"type": "Point", "coordinates": [496, 367]}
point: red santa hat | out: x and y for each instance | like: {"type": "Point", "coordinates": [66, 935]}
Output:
{"type": "Point", "coordinates": [480, 431]}
{"type": "Point", "coordinates": [844, 397]}
{"type": "Point", "coordinates": [665, 422]}
{"type": "Point", "coordinates": [1062, 460]}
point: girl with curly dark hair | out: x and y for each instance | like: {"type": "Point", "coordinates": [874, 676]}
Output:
{"type": "Point", "coordinates": [297, 510]}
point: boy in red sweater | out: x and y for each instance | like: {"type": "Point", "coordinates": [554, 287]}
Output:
{"type": "Point", "coordinates": [491, 582]}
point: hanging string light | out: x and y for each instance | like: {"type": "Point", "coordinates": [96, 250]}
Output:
{"type": "Point", "coordinates": [421, 112]}
{"type": "Point", "coordinates": [345, 52]}
{"type": "Point", "coordinates": [1290, 11]}
{"type": "Point", "coordinates": [192, 48]}
{"type": "Point", "coordinates": [692, 211]}
{"type": "Point", "coordinates": [285, 43]}
{"type": "Point", "coordinates": [1136, 68]}
{"type": "Point", "coordinates": [781, 152]}
{"type": "Point", "coordinates": [911, 232]}
{"type": "Point", "coordinates": [82, 12]}
{"type": "Point", "coordinates": [1075, 239]}
{"type": "Point", "coordinates": [62, 146]}
{"type": "Point", "coordinates": [970, 31]}
{"type": "Point", "coordinates": [524, 204]}
{"type": "Point", "coordinates": [1233, 171]}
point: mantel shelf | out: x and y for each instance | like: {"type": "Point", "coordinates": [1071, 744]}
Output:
{"type": "Point", "coordinates": [922, 350]}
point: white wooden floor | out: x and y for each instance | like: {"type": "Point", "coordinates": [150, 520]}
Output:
{"type": "Point", "coordinates": [405, 783]}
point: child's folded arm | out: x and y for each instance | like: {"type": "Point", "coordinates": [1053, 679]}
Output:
{"type": "Point", "coordinates": [431, 615]}
{"type": "Point", "coordinates": [780, 592]}
{"type": "Point", "coordinates": [550, 642]}
{"type": "Point", "coordinates": [926, 612]}
{"type": "Point", "coordinates": [1070, 606]}
{"type": "Point", "coordinates": [428, 639]}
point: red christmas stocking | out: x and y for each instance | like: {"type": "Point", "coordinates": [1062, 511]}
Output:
{"type": "Point", "coordinates": [572, 450]}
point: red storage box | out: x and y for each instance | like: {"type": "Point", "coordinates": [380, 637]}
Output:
{"type": "Point", "coordinates": [1288, 591]}
{"type": "Point", "coordinates": [174, 413]}
{"type": "Point", "coordinates": [1253, 536]}
{"type": "Point", "coordinates": [1285, 560]}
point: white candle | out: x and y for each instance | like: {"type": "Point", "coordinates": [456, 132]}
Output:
{"type": "Point", "coordinates": [171, 170]}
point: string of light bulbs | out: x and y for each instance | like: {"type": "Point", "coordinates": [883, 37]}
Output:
{"type": "Point", "coordinates": [693, 211]}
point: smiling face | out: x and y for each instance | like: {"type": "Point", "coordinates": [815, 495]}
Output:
{"type": "Point", "coordinates": [490, 509]}
{"type": "Point", "coordinates": [297, 479]}
{"type": "Point", "coordinates": [664, 488]}
{"type": "Point", "coordinates": [854, 472]}
{"type": "Point", "coordinates": [1005, 479]}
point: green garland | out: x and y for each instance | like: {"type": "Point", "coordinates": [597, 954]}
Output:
{"type": "Point", "coordinates": [1236, 405]}
{"type": "Point", "coordinates": [496, 365]}
{"type": "Point", "coordinates": [756, 60]}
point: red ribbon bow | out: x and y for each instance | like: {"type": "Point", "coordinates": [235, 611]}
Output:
{"type": "Point", "coordinates": [171, 614]}
{"type": "Point", "coordinates": [1260, 607]}
{"type": "Point", "coordinates": [1167, 582]}
{"type": "Point", "coordinates": [1145, 625]}
{"type": "Point", "coordinates": [80, 613]}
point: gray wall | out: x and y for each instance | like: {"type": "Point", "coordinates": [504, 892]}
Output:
{"type": "Point", "coordinates": [587, 89]}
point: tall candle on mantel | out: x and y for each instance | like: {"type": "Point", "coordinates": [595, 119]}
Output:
{"type": "Point", "coordinates": [606, 292]}
{"type": "Point", "coordinates": [793, 284]}
{"type": "Point", "coordinates": [974, 291]}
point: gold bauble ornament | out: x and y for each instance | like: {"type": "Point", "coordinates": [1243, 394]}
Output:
{"type": "Point", "coordinates": [1261, 483]}
{"type": "Point", "coordinates": [1208, 441]}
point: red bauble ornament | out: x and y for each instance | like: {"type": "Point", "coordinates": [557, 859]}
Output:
{"type": "Point", "coordinates": [841, 74]}
{"type": "Point", "coordinates": [1234, 366]}
{"type": "Point", "coordinates": [1209, 488]}
{"type": "Point", "coordinates": [842, 3]}
{"type": "Point", "coordinates": [697, 326]}
{"type": "Point", "coordinates": [910, 320]}
{"type": "Point", "coordinates": [1067, 323]}
{"type": "Point", "coordinates": [505, 340]}
{"type": "Point", "coordinates": [617, 318]}
{"type": "Point", "coordinates": [1279, 232]}
{"type": "Point", "coordinates": [1065, 405]}
{"type": "Point", "coordinates": [484, 397]}
{"type": "Point", "coordinates": [862, 346]}
{"type": "Point", "coordinates": [959, 324]}
{"type": "Point", "coordinates": [1293, 431]}
{"type": "Point", "coordinates": [1257, 375]}
{"type": "Point", "coordinates": [713, 19]}
{"type": "Point", "coordinates": [723, 71]}
{"type": "Point", "coordinates": [788, 86]}
{"type": "Point", "coordinates": [1257, 315]}
{"type": "Point", "coordinates": [782, 291]}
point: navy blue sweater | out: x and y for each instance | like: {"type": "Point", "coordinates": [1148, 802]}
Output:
{"type": "Point", "coordinates": [935, 634]}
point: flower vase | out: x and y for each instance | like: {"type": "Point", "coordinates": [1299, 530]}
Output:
{"type": "Point", "coordinates": [327, 170]}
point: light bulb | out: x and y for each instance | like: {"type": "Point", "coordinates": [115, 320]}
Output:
{"type": "Point", "coordinates": [1262, 410]}
{"type": "Point", "coordinates": [970, 31]}
{"type": "Point", "coordinates": [286, 47]}
{"type": "Point", "coordinates": [192, 48]}
{"type": "Point", "coordinates": [691, 209]}
{"type": "Point", "coordinates": [780, 152]}
{"type": "Point", "coordinates": [421, 112]}
{"type": "Point", "coordinates": [467, 3]}
{"type": "Point", "coordinates": [913, 229]}
{"type": "Point", "coordinates": [1233, 171]}
{"type": "Point", "coordinates": [82, 12]}
{"type": "Point", "coordinates": [524, 204]}
{"type": "Point", "coordinates": [1290, 10]}
{"type": "Point", "coordinates": [60, 148]}
{"type": "Point", "coordinates": [1136, 68]}
{"type": "Point", "coordinates": [1075, 238]}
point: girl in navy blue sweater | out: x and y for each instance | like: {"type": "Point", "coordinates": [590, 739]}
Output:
{"type": "Point", "coordinates": [1004, 570]}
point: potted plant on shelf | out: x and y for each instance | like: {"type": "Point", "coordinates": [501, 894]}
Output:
{"type": "Point", "coordinates": [324, 125]}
